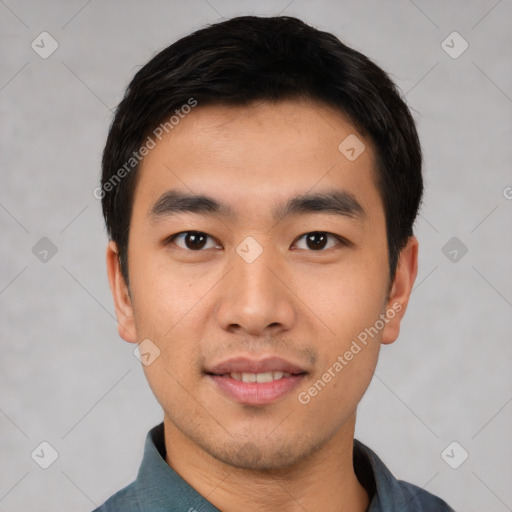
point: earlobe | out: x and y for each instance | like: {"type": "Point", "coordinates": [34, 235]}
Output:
{"type": "Point", "coordinates": [121, 296]}
{"type": "Point", "coordinates": [405, 275]}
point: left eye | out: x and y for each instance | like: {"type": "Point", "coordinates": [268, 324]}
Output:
{"type": "Point", "coordinates": [318, 240]}
{"type": "Point", "coordinates": [193, 240]}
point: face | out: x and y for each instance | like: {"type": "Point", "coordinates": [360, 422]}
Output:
{"type": "Point", "coordinates": [267, 297]}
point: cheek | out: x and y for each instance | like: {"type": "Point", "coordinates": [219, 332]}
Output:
{"type": "Point", "coordinates": [169, 310]}
{"type": "Point", "coordinates": [345, 299]}
{"type": "Point", "coordinates": [346, 311]}
{"type": "Point", "coordinates": [163, 294]}
{"type": "Point", "coordinates": [348, 355]}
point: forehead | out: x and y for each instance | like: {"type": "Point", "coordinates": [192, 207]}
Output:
{"type": "Point", "coordinates": [264, 150]}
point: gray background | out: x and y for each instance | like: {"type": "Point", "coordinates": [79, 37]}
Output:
{"type": "Point", "coordinates": [68, 379]}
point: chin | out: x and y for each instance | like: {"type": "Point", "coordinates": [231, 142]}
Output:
{"type": "Point", "coordinates": [263, 455]}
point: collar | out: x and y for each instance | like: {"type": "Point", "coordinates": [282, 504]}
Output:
{"type": "Point", "coordinates": [159, 488]}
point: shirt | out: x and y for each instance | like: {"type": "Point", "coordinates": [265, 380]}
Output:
{"type": "Point", "coordinates": [158, 488]}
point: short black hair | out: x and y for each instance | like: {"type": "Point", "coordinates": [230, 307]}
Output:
{"type": "Point", "coordinates": [247, 59]}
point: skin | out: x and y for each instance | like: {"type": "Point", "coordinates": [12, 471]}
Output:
{"type": "Point", "coordinates": [304, 305]}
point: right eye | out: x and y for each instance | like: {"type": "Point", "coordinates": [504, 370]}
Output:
{"type": "Point", "coordinates": [192, 241]}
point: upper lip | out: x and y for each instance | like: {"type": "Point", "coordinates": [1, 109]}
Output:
{"type": "Point", "coordinates": [248, 365]}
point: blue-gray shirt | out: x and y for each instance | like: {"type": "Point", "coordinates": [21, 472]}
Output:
{"type": "Point", "coordinates": [158, 488]}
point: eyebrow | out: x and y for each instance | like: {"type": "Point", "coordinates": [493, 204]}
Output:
{"type": "Point", "coordinates": [333, 201]}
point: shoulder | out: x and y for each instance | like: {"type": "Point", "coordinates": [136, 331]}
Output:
{"type": "Point", "coordinates": [125, 500]}
{"type": "Point", "coordinates": [416, 499]}
{"type": "Point", "coordinates": [387, 492]}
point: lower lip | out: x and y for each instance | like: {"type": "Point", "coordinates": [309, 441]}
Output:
{"type": "Point", "coordinates": [254, 393]}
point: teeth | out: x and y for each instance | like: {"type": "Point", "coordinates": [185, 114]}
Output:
{"type": "Point", "coordinates": [259, 377]}
{"type": "Point", "coordinates": [265, 377]}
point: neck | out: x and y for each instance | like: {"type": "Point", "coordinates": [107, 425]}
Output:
{"type": "Point", "coordinates": [325, 480]}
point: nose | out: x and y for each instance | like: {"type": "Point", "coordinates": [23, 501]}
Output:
{"type": "Point", "coordinates": [255, 297]}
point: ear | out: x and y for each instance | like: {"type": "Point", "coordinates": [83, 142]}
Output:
{"type": "Point", "coordinates": [121, 296]}
{"type": "Point", "coordinates": [405, 275]}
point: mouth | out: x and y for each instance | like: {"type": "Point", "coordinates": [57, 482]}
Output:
{"type": "Point", "coordinates": [260, 378]}
{"type": "Point", "coordinates": [256, 382]}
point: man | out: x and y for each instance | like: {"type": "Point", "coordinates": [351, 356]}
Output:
{"type": "Point", "coordinates": [260, 184]}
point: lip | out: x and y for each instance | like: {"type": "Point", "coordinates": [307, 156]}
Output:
{"type": "Point", "coordinates": [255, 393]}
{"type": "Point", "coordinates": [248, 365]}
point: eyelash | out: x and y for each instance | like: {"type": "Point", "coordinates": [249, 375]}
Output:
{"type": "Point", "coordinates": [342, 241]}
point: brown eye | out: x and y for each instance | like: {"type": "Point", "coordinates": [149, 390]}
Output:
{"type": "Point", "coordinates": [192, 240]}
{"type": "Point", "coordinates": [318, 240]}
